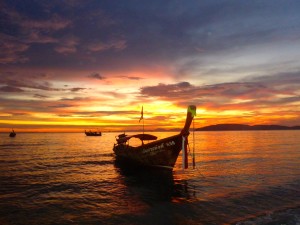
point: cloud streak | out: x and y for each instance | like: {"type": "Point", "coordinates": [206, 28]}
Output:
{"type": "Point", "coordinates": [23, 83]}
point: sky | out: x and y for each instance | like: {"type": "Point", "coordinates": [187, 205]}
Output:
{"type": "Point", "coordinates": [92, 64]}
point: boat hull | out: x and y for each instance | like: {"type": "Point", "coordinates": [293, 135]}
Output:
{"type": "Point", "coordinates": [161, 153]}
{"type": "Point", "coordinates": [93, 134]}
{"type": "Point", "coordinates": [12, 134]}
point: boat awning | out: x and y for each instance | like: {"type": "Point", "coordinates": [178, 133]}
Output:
{"type": "Point", "coordinates": [144, 137]}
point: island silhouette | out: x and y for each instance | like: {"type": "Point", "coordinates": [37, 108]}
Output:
{"type": "Point", "coordinates": [240, 127]}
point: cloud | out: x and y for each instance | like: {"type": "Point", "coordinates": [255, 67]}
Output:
{"type": "Point", "coordinates": [39, 37]}
{"type": "Point", "coordinates": [132, 77]}
{"type": "Point", "coordinates": [10, 89]}
{"type": "Point", "coordinates": [54, 23]}
{"type": "Point", "coordinates": [28, 29]}
{"type": "Point", "coordinates": [146, 33]}
{"type": "Point", "coordinates": [278, 79]}
{"type": "Point", "coordinates": [65, 49]}
{"type": "Point", "coordinates": [106, 113]}
{"type": "Point", "coordinates": [67, 45]}
{"type": "Point", "coordinates": [18, 81]}
{"type": "Point", "coordinates": [77, 89]}
{"type": "Point", "coordinates": [168, 90]}
{"type": "Point", "coordinates": [11, 50]}
{"type": "Point", "coordinates": [40, 96]}
{"type": "Point", "coordinates": [96, 76]}
{"type": "Point", "coordinates": [29, 24]}
{"type": "Point", "coordinates": [75, 99]}
{"type": "Point", "coordinates": [102, 46]}
{"type": "Point", "coordinates": [61, 106]}
{"type": "Point", "coordinates": [268, 92]}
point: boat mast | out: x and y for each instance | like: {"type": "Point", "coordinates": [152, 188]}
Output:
{"type": "Point", "coordinates": [184, 153]}
{"type": "Point", "coordinates": [142, 118]}
{"type": "Point", "coordinates": [194, 144]}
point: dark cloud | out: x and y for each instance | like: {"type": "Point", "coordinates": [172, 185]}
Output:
{"type": "Point", "coordinates": [224, 95]}
{"type": "Point", "coordinates": [54, 23]}
{"type": "Point", "coordinates": [75, 99]}
{"type": "Point", "coordinates": [143, 32]}
{"type": "Point", "coordinates": [10, 89]}
{"type": "Point", "coordinates": [12, 50]}
{"type": "Point", "coordinates": [135, 78]}
{"type": "Point", "coordinates": [278, 79]}
{"type": "Point", "coordinates": [40, 96]}
{"type": "Point", "coordinates": [96, 76]}
{"type": "Point", "coordinates": [68, 44]}
{"type": "Point", "coordinates": [77, 89]}
{"type": "Point", "coordinates": [61, 106]}
{"type": "Point", "coordinates": [20, 81]}
{"type": "Point", "coordinates": [168, 90]}
{"type": "Point", "coordinates": [106, 113]}
{"type": "Point", "coordinates": [100, 46]}
{"type": "Point", "coordinates": [10, 105]}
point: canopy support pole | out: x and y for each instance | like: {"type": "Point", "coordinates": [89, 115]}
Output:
{"type": "Point", "coordinates": [184, 153]}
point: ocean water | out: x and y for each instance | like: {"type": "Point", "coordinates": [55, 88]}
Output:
{"type": "Point", "coordinates": [248, 177]}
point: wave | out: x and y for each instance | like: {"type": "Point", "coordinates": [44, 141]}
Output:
{"type": "Point", "coordinates": [287, 216]}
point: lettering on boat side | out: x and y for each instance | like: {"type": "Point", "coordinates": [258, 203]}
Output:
{"type": "Point", "coordinates": [170, 143]}
{"type": "Point", "coordinates": [158, 148]}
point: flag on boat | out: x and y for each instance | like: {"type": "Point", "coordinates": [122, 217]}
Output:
{"type": "Point", "coordinates": [192, 110]}
{"type": "Point", "coordinates": [142, 114]}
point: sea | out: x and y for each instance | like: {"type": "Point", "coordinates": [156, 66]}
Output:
{"type": "Point", "coordinates": [240, 177]}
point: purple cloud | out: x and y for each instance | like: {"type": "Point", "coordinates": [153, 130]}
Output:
{"type": "Point", "coordinates": [17, 80]}
{"type": "Point", "coordinates": [102, 46]}
{"type": "Point", "coordinates": [10, 89]}
{"type": "Point", "coordinates": [225, 95]}
{"type": "Point", "coordinates": [11, 50]}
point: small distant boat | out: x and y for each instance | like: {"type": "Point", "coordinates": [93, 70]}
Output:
{"type": "Point", "coordinates": [12, 133]}
{"type": "Point", "coordinates": [93, 133]}
{"type": "Point", "coordinates": [161, 153]}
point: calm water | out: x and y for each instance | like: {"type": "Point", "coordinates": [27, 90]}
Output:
{"type": "Point", "coordinates": [241, 178]}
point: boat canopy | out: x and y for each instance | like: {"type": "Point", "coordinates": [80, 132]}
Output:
{"type": "Point", "coordinates": [123, 138]}
{"type": "Point", "coordinates": [144, 137]}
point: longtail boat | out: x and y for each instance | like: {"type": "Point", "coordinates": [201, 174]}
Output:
{"type": "Point", "coordinates": [158, 153]}
{"type": "Point", "coordinates": [93, 133]}
{"type": "Point", "coordinates": [12, 133]}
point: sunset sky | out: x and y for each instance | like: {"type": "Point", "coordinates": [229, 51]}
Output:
{"type": "Point", "coordinates": [75, 65]}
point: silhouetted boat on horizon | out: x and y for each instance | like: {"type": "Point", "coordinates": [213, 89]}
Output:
{"type": "Point", "coordinates": [12, 133]}
{"type": "Point", "coordinates": [93, 133]}
{"type": "Point", "coordinates": [161, 153]}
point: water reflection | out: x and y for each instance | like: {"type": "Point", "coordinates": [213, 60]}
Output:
{"type": "Point", "coordinates": [154, 185]}
{"type": "Point", "coordinates": [73, 179]}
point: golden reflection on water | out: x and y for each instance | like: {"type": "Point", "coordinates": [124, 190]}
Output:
{"type": "Point", "coordinates": [237, 161]}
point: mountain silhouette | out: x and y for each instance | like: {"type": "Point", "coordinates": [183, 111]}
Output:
{"type": "Point", "coordinates": [238, 127]}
